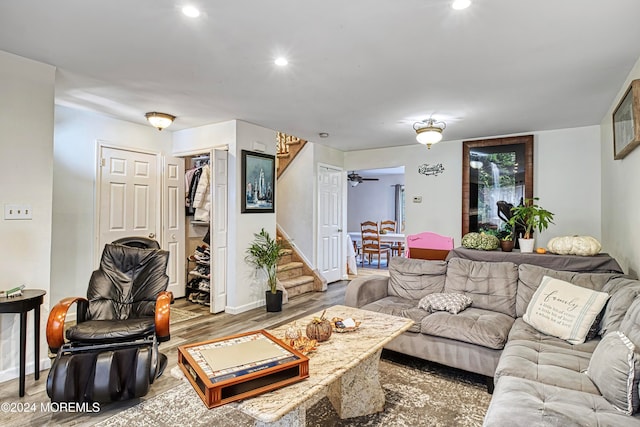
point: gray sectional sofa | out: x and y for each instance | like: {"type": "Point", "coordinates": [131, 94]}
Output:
{"type": "Point", "coordinates": [539, 379]}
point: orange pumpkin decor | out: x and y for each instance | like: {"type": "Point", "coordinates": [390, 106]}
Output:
{"type": "Point", "coordinates": [319, 329]}
{"type": "Point", "coordinates": [541, 250]}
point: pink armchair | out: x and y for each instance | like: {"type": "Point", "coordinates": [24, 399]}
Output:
{"type": "Point", "coordinates": [427, 245]}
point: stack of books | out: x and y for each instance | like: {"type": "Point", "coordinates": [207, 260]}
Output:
{"type": "Point", "coordinates": [13, 292]}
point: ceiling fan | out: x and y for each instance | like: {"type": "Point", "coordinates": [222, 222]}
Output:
{"type": "Point", "coordinates": [355, 179]}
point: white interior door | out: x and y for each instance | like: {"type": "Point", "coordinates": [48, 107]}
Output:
{"type": "Point", "coordinates": [128, 195]}
{"type": "Point", "coordinates": [330, 247]}
{"type": "Point", "coordinates": [173, 233]}
{"type": "Point", "coordinates": [219, 231]}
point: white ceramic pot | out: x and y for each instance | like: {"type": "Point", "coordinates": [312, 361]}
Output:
{"type": "Point", "coordinates": [526, 245]}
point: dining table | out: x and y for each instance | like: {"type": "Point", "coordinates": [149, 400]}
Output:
{"type": "Point", "coordinates": [356, 237]}
{"type": "Point", "coordinates": [387, 237]}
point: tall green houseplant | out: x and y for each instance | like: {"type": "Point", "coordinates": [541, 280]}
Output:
{"type": "Point", "coordinates": [531, 216]}
{"type": "Point", "coordinates": [264, 253]}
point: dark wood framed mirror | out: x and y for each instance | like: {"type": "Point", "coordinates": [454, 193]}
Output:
{"type": "Point", "coordinates": [498, 169]}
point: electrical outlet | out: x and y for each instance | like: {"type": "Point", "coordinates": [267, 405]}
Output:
{"type": "Point", "coordinates": [17, 212]}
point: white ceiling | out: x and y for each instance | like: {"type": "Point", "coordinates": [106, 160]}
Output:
{"type": "Point", "coordinates": [363, 71]}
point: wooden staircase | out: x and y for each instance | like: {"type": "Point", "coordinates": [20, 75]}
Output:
{"type": "Point", "coordinates": [291, 276]}
{"type": "Point", "coordinates": [293, 272]}
{"type": "Point", "coordinates": [288, 148]}
{"type": "Point", "coordinates": [295, 275]}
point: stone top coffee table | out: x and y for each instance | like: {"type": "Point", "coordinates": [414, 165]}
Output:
{"type": "Point", "coordinates": [344, 368]}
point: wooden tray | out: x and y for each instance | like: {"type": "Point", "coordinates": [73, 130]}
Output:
{"type": "Point", "coordinates": [240, 366]}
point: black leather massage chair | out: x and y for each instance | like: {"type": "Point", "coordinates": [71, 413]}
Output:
{"type": "Point", "coordinates": [111, 353]}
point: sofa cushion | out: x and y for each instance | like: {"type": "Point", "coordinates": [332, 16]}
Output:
{"type": "Point", "coordinates": [624, 292]}
{"type": "Point", "coordinates": [522, 331]}
{"type": "Point", "coordinates": [546, 363]}
{"type": "Point", "coordinates": [518, 402]}
{"type": "Point", "coordinates": [491, 285]}
{"type": "Point", "coordinates": [415, 278]}
{"type": "Point", "coordinates": [397, 306]}
{"type": "Point", "coordinates": [454, 303]}
{"type": "Point", "coordinates": [530, 277]}
{"type": "Point", "coordinates": [473, 325]}
{"type": "Point", "coordinates": [615, 370]}
{"type": "Point", "coordinates": [563, 310]}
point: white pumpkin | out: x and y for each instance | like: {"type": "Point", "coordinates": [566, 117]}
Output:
{"type": "Point", "coordinates": [574, 245]}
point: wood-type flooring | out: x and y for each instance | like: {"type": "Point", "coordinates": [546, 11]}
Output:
{"type": "Point", "coordinates": [34, 408]}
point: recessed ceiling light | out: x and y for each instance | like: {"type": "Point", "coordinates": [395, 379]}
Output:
{"type": "Point", "coordinates": [281, 61]}
{"type": "Point", "coordinates": [323, 135]}
{"type": "Point", "coordinates": [460, 4]}
{"type": "Point", "coordinates": [190, 11]}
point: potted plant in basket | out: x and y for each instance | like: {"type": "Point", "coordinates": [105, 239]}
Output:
{"type": "Point", "coordinates": [264, 254]}
{"type": "Point", "coordinates": [531, 217]}
{"type": "Point", "coordinates": [506, 238]}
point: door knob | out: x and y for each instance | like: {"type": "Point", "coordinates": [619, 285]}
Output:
{"type": "Point", "coordinates": [152, 235]}
{"type": "Point", "coordinates": [339, 230]}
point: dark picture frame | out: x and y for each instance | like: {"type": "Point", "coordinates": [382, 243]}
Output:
{"type": "Point", "coordinates": [626, 122]}
{"type": "Point", "coordinates": [521, 173]}
{"type": "Point", "coordinates": [258, 182]}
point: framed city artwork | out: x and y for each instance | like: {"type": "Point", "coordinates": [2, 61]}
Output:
{"type": "Point", "coordinates": [258, 182]}
{"type": "Point", "coordinates": [626, 122]}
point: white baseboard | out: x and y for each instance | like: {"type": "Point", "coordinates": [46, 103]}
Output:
{"type": "Point", "coordinates": [243, 308]}
{"type": "Point", "coordinates": [13, 373]}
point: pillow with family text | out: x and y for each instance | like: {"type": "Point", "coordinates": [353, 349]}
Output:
{"type": "Point", "coordinates": [564, 310]}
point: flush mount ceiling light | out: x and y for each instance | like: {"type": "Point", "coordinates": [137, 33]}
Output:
{"type": "Point", "coordinates": [460, 4]}
{"type": "Point", "coordinates": [429, 131]}
{"type": "Point", "coordinates": [281, 61]}
{"type": "Point", "coordinates": [160, 120]}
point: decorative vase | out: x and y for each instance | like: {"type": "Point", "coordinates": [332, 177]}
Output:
{"type": "Point", "coordinates": [507, 245]}
{"type": "Point", "coordinates": [292, 334]}
{"type": "Point", "coordinates": [526, 245]}
{"type": "Point", "coordinates": [274, 301]}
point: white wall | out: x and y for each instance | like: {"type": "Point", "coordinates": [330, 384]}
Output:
{"type": "Point", "coordinates": [372, 200]}
{"type": "Point", "coordinates": [295, 184]}
{"type": "Point", "coordinates": [566, 179]}
{"type": "Point", "coordinates": [620, 202]}
{"type": "Point", "coordinates": [250, 292]}
{"type": "Point", "coordinates": [77, 133]}
{"type": "Point", "coordinates": [26, 173]}
{"type": "Point", "coordinates": [441, 207]}
{"type": "Point", "coordinates": [244, 291]}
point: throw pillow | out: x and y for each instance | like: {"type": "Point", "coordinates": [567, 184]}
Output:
{"type": "Point", "coordinates": [594, 330]}
{"type": "Point", "coordinates": [615, 369]}
{"type": "Point", "coordinates": [564, 310]}
{"type": "Point", "coordinates": [452, 302]}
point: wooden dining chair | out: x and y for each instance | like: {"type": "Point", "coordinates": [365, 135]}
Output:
{"type": "Point", "coordinates": [371, 245]}
{"type": "Point", "coordinates": [389, 226]}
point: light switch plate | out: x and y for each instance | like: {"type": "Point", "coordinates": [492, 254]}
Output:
{"type": "Point", "coordinates": [16, 212]}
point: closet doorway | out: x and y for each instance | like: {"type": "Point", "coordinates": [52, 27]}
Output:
{"type": "Point", "coordinates": [206, 228]}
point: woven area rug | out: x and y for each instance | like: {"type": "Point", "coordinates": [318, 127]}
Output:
{"type": "Point", "coordinates": [418, 393]}
{"type": "Point", "coordinates": [179, 315]}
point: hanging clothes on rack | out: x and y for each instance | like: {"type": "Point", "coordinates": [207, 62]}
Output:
{"type": "Point", "coordinates": [192, 177]}
{"type": "Point", "coordinates": [202, 197]}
